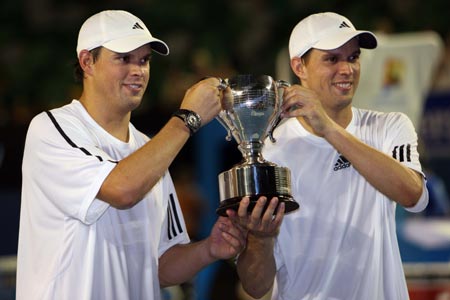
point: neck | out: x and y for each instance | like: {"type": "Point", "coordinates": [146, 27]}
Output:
{"type": "Point", "coordinates": [342, 117]}
{"type": "Point", "coordinates": [113, 122]}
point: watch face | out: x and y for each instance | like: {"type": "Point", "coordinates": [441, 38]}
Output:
{"type": "Point", "coordinates": [193, 121]}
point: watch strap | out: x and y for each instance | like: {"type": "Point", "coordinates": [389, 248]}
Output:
{"type": "Point", "coordinates": [183, 115]}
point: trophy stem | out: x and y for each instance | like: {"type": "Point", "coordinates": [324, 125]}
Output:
{"type": "Point", "coordinates": [251, 152]}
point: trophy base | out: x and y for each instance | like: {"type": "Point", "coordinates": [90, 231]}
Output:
{"type": "Point", "coordinates": [233, 203]}
{"type": "Point", "coordinates": [255, 180]}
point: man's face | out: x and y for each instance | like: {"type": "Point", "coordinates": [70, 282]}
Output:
{"type": "Point", "coordinates": [333, 74]}
{"type": "Point", "coordinates": [121, 79]}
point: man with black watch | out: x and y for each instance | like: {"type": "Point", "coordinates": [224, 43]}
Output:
{"type": "Point", "coordinates": [99, 207]}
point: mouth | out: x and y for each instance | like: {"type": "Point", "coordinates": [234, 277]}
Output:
{"type": "Point", "coordinates": [344, 86]}
{"type": "Point", "coordinates": [134, 86]}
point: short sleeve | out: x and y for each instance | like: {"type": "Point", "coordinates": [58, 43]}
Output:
{"type": "Point", "coordinates": [402, 146]}
{"type": "Point", "coordinates": [65, 169]}
{"type": "Point", "coordinates": [401, 141]}
{"type": "Point", "coordinates": [173, 229]}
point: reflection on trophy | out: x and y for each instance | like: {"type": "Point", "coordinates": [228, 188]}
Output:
{"type": "Point", "coordinates": [250, 113]}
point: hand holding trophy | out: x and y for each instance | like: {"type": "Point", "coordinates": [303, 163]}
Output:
{"type": "Point", "coordinates": [250, 112]}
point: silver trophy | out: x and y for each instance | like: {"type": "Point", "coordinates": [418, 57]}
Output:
{"type": "Point", "coordinates": [250, 112]}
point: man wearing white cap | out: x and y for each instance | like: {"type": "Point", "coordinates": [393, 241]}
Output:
{"type": "Point", "coordinates": [350, 168]}
{"type": "Point", "coordinates": [100, 218]}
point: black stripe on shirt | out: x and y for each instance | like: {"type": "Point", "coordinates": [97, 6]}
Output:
{"type": "Point", "coordinates": [69, 141]}
{"type": "Point", "coordinates": [170, 228]}
{"type": "Point", "coordinates": [401, 154]}
{"type": "Point", "coordinates": [173, 218]}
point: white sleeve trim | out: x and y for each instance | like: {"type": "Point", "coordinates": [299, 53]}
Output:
{"type": "Point", "coordinates": [423, 200]}
{"type": "Point", "coordinates": [93, 208]}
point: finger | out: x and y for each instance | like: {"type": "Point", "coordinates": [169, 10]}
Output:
{"type": "Point", "coordinates": [233, 217]}
{"type": "Point", "coordinates": [222, 84]}
{"type": "Point", "coordinates": [237, 234]}
{"type": "Point", "coordinates": [237, 229]}
{"type": "Point", "coordinates": [291, 101]}
{"type": "Point", "coordinates": [232, 231]}
{"type": "Point", "coordinates": [219, 83]}
{"type": "Point", "coordinates": [231, 213]}
{"type": "Point", "coordinates": [212, 79]}
{"type": "Point", "coordinates": [291, 92]}
{"type": "Point", "coordinates": [259, 208]}
{"type": "Point", "coordinates": [255, 216]}
{"type": "Point", "coordinates": [268, 215]}
{"type": "Point", "coordinates": [237, 244]}
{"type": "Point", "coordinates": [280, 214]}
{"type": "Point", "coordinates": [235, 221]}
{"type": "Point", "coordinates": [243, 208]}
{"type": "Point", "coordinates": [294, 110]}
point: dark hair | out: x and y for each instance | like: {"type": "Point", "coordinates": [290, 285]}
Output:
{"type": "Point", "coordinates": [78, 72]}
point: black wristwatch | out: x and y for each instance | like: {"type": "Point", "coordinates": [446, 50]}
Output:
{"type": "Point", "coordinates": [191, 119]}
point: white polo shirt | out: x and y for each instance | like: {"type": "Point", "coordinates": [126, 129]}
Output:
{"type": "Point", "coordinates": [72, 245]}
{"type": "Point", "coordinates": [341, 243]}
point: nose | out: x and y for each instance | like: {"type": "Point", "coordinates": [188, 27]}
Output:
{"type": "Point", "coordinates": [138, 69]}
{"type": "Point", "coordinates": [346, 67]}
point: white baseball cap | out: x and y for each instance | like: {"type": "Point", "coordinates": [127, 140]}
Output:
{"type": "Point", "coordinates": [119, 31]}
{"type": "Point", "coordinates": [326, 31]}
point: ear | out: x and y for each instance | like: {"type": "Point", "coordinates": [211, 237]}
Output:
{"type": "Point", "coordinates": [298, 67]}
{"type": "Point", "coordinates": [86, 61]}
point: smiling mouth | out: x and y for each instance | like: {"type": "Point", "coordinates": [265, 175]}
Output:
{"type": "Point", "coordinates": [343, 85]}
{"type": "Point", "coordinates": [134, 87]}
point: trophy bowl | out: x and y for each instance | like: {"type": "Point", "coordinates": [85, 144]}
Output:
{"type": "Point", "coordinates": [250, 113]}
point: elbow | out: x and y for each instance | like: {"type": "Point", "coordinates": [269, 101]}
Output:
{"type": "Point", "coordinates": [256, 287]}
{"type": "Point", "coordinates": [408, 203]}
{"type": "Point", "coordinates": [125, 202]}
{"type": "Point", "coordinates": [256, 292]}
{"type": "Point", "coordinates": [410, 189]}
{"type": "Point", "coordinates": [118, 197]}
{"type": "Point", "coordinates": [412, 195]}
{"type": "Point", "coordinates": [164, 283]}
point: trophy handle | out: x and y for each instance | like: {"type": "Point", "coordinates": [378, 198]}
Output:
{"type": "Point", "coordinates": [223, 116]}
{"type": "Point", "coordinates": [279, 84]}
{"type": "Point", "coordinates": [224, 124]}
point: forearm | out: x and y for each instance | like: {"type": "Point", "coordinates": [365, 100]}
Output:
{"type": "Point", "coordinates": [181, 262]}
{"type": "Point", "coordinates": [387, 175]}
{"type": "Point", "coordinates": [256, 266]}
{"type": "Point", "coordinates": [136, 174]}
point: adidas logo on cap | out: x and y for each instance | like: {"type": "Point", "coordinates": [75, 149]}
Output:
{"type": "Point", "coordinates": [343, 24]}
{"type": "Point", "coordinates": [137, 26]}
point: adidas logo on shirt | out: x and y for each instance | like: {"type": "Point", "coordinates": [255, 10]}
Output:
{"type": "Point", "coordinates": [174, 221]}
{"type": "Point", "coordinates": [402, 153]}
{"type": "Point", "coordinates": [341, 163]}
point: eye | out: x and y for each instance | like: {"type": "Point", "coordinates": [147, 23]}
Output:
{"type": "Point", "coordinates": [354, 58]}
{"type": "Point", "coordinates": [146, 59]}
{"type": "Point", "coordinates": [331, 59]}
{"type": "Point", "coordinates": [124, 58]}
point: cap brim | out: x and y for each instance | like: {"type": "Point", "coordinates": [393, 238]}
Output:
{"type": "Point", "coordinates": [366, 39]}
{"type": "Point", "coordinates": [131, 43]}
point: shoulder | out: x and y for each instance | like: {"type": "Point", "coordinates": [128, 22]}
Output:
{"type": "Point", "coordinates": [58, 124]}
{"type": "Point", "coordinates": [60, 116]}
{"type": "Point", "coordinates": [366, 117]}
